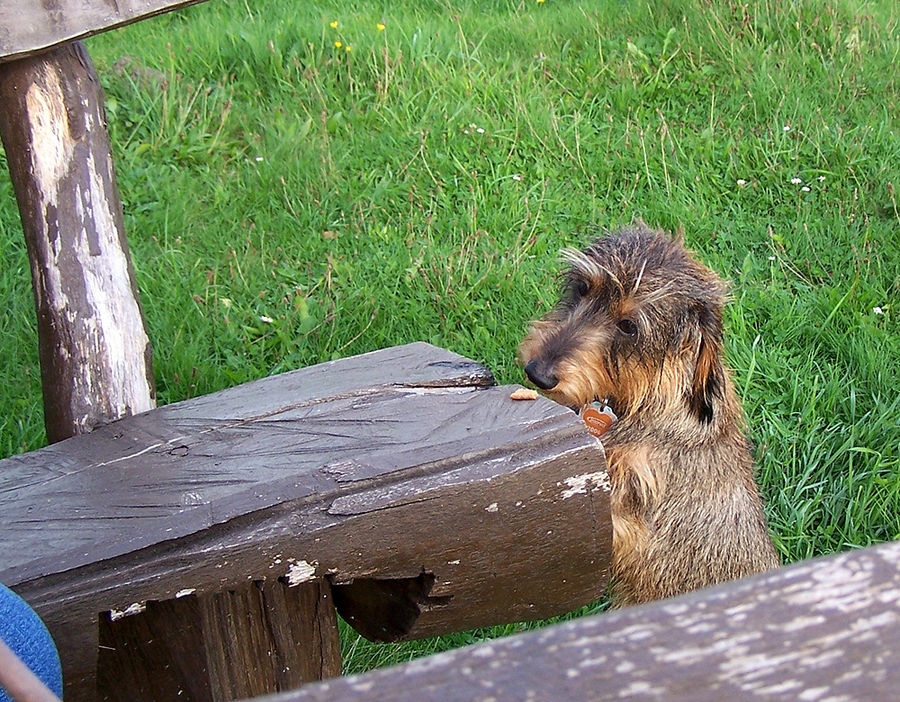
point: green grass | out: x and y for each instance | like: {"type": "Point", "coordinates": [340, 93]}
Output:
{"type": "Point", "coordinates": [419, 187]}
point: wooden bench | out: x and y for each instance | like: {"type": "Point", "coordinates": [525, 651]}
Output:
{"type": "Point", "coordinates": [827, 629]}
{"type": "Point", "coordinates": [198, 551]}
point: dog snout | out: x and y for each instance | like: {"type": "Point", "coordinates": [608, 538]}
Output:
{"type": "Point", "coordinates": [541, 374]}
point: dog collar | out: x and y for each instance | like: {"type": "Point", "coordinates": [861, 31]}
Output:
{"type": "Point", "coordinates": [598, 417]}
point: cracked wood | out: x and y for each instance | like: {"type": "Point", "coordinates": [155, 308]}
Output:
{"type": "Point", "coordinates": [94, 350]}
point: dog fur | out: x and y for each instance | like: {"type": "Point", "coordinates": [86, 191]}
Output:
{"type": "Point", "coordinates": [639, 326]}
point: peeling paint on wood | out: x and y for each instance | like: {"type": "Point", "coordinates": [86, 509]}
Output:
{"type": "Point", "coordinates": [136, 608]}
{"type": "Point", "coordinates": [300, 572]}
{"type": "Point", "coordinates": [94, 349]}
{"type": "Point", "coordinates": [582, 484]}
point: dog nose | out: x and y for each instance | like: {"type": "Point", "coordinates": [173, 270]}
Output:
{"type": "Point", "coordinates": [540, 374]}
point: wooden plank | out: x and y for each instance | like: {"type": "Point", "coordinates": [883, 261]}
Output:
{"type": "Point", "coordinates": [28, 26]}
{"type": "Point", "coordinates": [219, 456]}
{"type": "Point", "coordinates": [94, 350]}
{"type": "Point", "coordinates": [826, 629]}
{"type": "Point", "coordinates": [400, 472]}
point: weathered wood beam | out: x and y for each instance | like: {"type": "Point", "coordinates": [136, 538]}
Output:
{"type": "Point", "coordinates": [826, 629]}
{"type": "Point", "coordinates": [428, 499]}
{"type": "Point", "coordinates": [29, 26]}
{"type": "Point", "coordinates": [94, 350]}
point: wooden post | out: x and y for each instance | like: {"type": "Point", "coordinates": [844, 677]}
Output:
{"type": "Point", "coordinates": [94, 350]}
{"type": "Point", "coordinates": [263, 637]}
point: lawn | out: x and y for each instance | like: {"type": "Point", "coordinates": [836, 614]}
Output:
{"type": "Point", "coordinates": [308, 181]}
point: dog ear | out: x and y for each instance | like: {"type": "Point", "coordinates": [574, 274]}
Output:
{"type": "Point", "coordinates": [709, 375]}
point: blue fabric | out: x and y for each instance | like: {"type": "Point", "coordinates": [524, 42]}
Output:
{"type": "Point", "coordinates": [25, 633]}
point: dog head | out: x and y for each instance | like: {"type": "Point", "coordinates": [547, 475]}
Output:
{"type": "Point", "coordinates": [638, 323]}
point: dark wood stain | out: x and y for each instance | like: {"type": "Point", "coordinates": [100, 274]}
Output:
{"type": "Point", "coordinates": [243, 642]}
{"type": "Point", "coordinates": [400, 476]}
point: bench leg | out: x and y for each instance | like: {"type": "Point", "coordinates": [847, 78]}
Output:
{"type": "Point", "coordinates": [236, 644]}
{"type": "Point", "coordinates": [94, 350]}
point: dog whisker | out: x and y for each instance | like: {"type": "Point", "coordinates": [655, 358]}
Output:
{"type": "Point", "coordinates": [637, 283]}
{"type": "Point", "coordinates": [665, 292]}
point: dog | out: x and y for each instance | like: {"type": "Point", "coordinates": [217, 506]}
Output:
{"type": "Point", "coordinates": [639, 326]}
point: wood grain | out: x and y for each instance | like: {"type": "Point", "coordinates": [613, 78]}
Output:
{"type": "Point", "coordinates": [826, 629]}
{"type": "Point", "coordinates": [94, 350]}
{"type": "Point", "coordinates": [27, 26]}
{"type": "Point", "coordinates": [247, 641]}
{"type": "Point", "coordinates": [191, 465]}
{"type": "Point", "coordinates": [398, 474]}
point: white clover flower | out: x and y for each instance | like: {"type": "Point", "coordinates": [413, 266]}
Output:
{"type": "Point", "coordinates": [805, 188]}
{"type": "Point", "coordinates": [741, 182]}
{"type": "Point", "coordinates": [786, 128]}
{"type": "Point", "coordinates": [877, 310]}
{"type": "Point", "coordinates": [517, 177]}
{"type": "Point", "coordinates": [796, 181]}
{"type": "Point", "coordinates": [267, 320]}
{"type": "Point", "coordinates": [480, 130]}
{"type": "Point", "coordinates": [821, 178]}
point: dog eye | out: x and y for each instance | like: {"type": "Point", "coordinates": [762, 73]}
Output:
{"type": "Point", "coordinates": [627, 327]}
{"type": "Point", "coordinates": [580, 287]}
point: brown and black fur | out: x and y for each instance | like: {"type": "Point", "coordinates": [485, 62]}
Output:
{"type": "Point", "coordinates": [639, 324]}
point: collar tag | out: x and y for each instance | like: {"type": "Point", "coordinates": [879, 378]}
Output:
{"type": "Point", "coordinates": [598, 418]}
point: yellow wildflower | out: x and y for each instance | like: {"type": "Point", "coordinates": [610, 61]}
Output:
{"type": "Point", "coordinates": [379, 27]}
{"type": "Point", "coordinates": [334, 25]}
{"type": "Point", "coordinates": [337, 45]}
{"type": "Point", "coordinates": [347, 48]}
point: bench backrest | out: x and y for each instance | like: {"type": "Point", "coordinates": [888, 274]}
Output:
{"type": "Point", "coordinates": [28, 26]}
